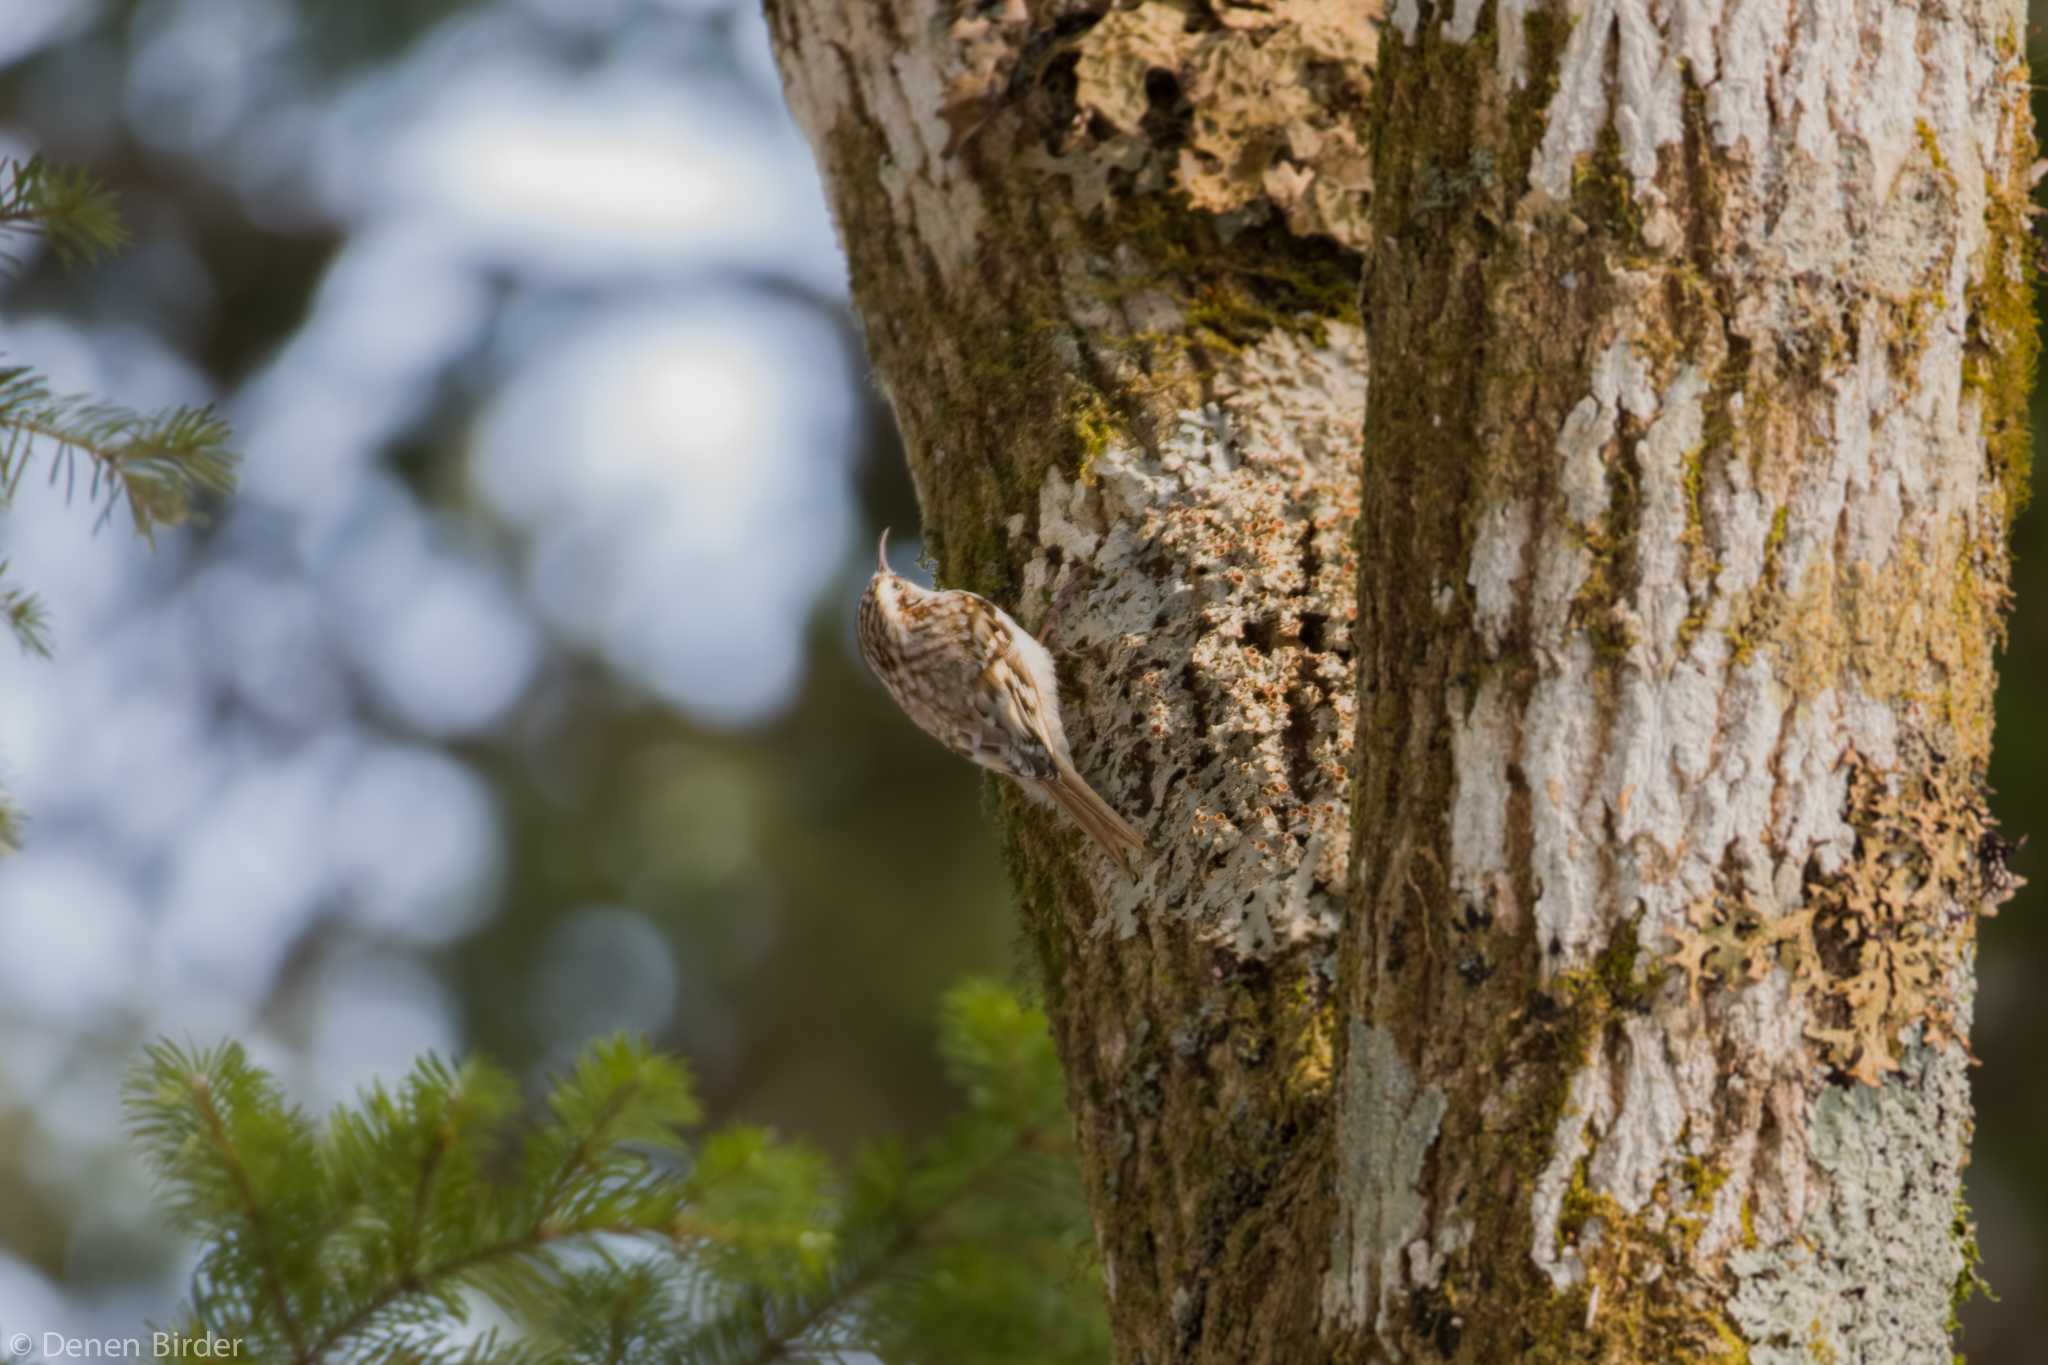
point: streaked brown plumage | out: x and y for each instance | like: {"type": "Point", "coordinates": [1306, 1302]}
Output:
{"type": "Point", "coordinates": [975, 680]}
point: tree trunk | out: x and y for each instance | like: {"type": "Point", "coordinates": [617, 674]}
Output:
{"type": "Point", "coordinates": [1133, 401]}
{"type": "Point", "coordinates": [1703, 344]}
{"type": "Point", "coordinates": [1703, 341]}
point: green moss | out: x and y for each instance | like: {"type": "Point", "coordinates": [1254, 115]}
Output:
{"type": "Point", "coordinates": [1615, 970]}
{"type": "Point", "coordinates": [1095, 430]}
{"type": "Point", "coordinates": [1580, 1206]}
{"type": "Point", "coordinates": [1233, 287]}
{"type": "Point", "coordinates": [1930, 144]}
{"type": "Point", "coordinates": [1701, 566]}
{"type": "Point", "coordinates": [1597, 606]}
{"type": "Point", "coordinates": [1604, 195]}
{"type": "Point", "coordinates": [1633, 1267]}
{"type": "Point", "coordinates": [1637, 1263]}
{"type": "Point", "coordinates": [1545, 32]}
{"type": "Point", "coordinates": [1733, 1347]}
{"type": "Point", "coordinates": [1690, 1219]}
{"type": "Point", "coordinates": [1970, 1281]}
{"type": "Point", "coordinates": [1703, 176]}
{"type": "Point", "coordinates": [1752, 620]}
{"type": "Point", "coordinates": [2003, 343]}
{"type": "Point", "coordinates": [1695, 480]}
{"type": "Point", "coordinates": [1705, 1182]}
{"type": "Point", "coordinates": [1574, 1017]}
{"type": "Point", "coordinates": [1310, 1029]}
{"type": "Point", "coordinates": [1912, 317]}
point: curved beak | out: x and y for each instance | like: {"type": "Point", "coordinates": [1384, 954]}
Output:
{"type": "Point", "coordinates": [882, 553]}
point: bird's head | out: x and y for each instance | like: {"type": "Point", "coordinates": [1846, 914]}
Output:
{"type": "Point", "coordinates": [888, 593]}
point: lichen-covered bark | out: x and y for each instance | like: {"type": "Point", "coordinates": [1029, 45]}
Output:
{"type": "Point", "coordinates": [1108, 266]}
{"type": "Point", "coordinates": [1701, 344]}
{"type": "Point", "coordinates": [1616, 1012]}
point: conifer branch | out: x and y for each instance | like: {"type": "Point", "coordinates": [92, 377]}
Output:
{"type": "Point", "coordinates": [66, 204]}
{"type": "Point", "coordinates": [844, 1293]}
{"type": "Point", "coordinates": [160, 464]}
{"type": "Point", "coordinates": [252, 1210]}
{"type": "Point", "coordinates": [579, 1154]}
{"type": "Point", "coordinates": [420, 1283]}
{"type": "Point", "coordinates": [409, 1247]}
{"type": "Point", "coordinates": [360, 1242]}
{"type": "Point", "coordinates": [25, 618]}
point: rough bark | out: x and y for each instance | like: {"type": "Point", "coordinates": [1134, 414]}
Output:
{"type": "Point", "coordinates": [1108, 270]}
{"type": "Point", "coordinates": [1702, 339]}
{"type": "Point", "coordinates": [1615, 1013]}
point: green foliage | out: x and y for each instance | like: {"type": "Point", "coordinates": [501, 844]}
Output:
{"type": "Point", "coordinates": [25, 617]}
{"type": "Point", "coordinates": [430, 1224]}
{"type": "Point", "coordinates": [63, 204]}
{"type": "Point", "coordinates": [158, 464]}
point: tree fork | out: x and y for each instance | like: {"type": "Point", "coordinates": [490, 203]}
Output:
{"type": "Point", "coordinates": [1702, 344]}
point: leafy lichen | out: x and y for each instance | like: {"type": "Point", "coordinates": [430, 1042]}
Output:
{"type": "Point", "coordinates": [1875, 947]}
{"type": "Point", "coordinates": [1246, 109]}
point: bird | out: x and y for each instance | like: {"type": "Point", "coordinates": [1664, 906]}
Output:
{"type": "Point", "coordinates": [970, 677]}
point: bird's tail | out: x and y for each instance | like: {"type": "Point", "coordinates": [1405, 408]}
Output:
{"type": "Point", "coordinates": [1094, 815]}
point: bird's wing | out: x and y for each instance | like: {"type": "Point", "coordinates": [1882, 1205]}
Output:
{"type": "Point", "coordinates": [1030, 671]}
{"type": "Point", "coordinates": [990, 628]}
{"type": "Point", "coordinates": [1029, 655]}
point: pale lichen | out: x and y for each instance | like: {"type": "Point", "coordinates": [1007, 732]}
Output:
{"type": "Point", "coordinates": [1261, 107]}
{"type": "Point", "coordinates": [1387, 1123]}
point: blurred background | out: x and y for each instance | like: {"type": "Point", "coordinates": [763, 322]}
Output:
{"type": "Point", "coordinates": [513, 699]}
